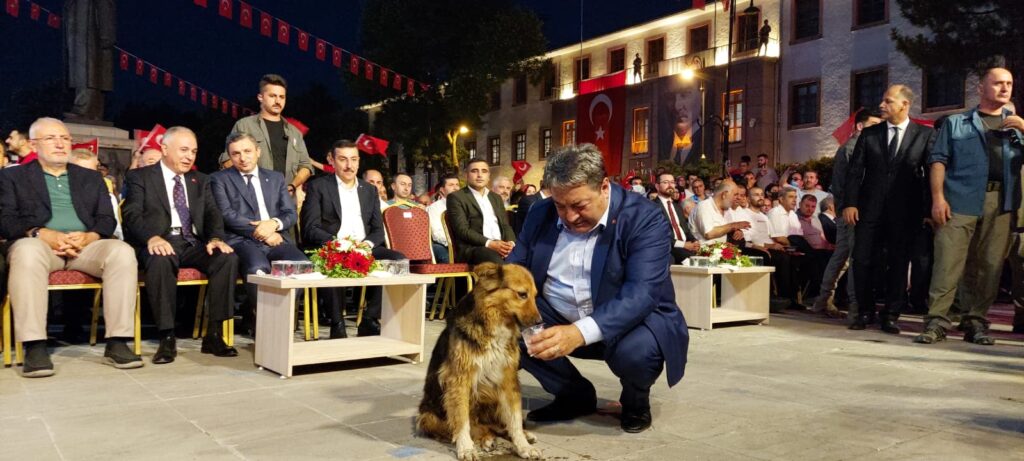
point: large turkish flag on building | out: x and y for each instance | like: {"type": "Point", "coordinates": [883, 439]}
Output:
{"type": "Point", "coordinates": [601, 120]}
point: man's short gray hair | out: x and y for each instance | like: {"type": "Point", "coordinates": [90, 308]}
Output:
{"type": "Point", "coordinates": [175, 131]}
{"type": "Point", "coordinates": [825, 204]}
{"type": "Point", "coordinates": [575, 165]}
{"type": "Point", "coordinates": [235, 137]}
{"type": "Point", "coordinates": [724, 185]}
{"type": "Point", "coordinates": [787, 189]}
{"type": "Point", "coordinates": [499, 180]}
{"type": "Point", "coordinates": [42, 121]}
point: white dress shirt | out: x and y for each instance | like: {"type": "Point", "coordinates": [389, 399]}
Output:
{"type": "Point", "coordinates": [435, 211]}
{"type": "Point", "coordinates": [260, 202]}
{"type": "Point", "coordinates": [491, 228]}
{"type": "Point", "coordinates": [169, 184]}
{"type": "Point", "coordinates": [567, 288]}
{"type": "Point", "coordinates": [783, 223]}
{"type": "Point", "coordinates": [902, 132]}
{"type": "Point", "coordinates": [351, 213]}
{"type": "Point", "coordinates": [707, 216]}
{"type": "Point", "coordinates": [667, 205]}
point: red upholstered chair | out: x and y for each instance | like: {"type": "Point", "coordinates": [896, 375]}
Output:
{"type": "Point", "coordinates": [409, 233]}
{"type": "Point", "coordinates": [67, 280]}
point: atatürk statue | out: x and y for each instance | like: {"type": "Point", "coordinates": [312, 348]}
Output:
{"type": "Point", "coordinates": [89, 35]}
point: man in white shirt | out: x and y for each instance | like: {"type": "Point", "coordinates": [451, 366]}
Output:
{"type": "Point", "coordinates": [684, 243]}
{"type": "Point", "coordinates": [709, 223]}
{"type": "Point", "coordinates": [783, 223]}
{"type": "Point", "coordinates": [448, 184]}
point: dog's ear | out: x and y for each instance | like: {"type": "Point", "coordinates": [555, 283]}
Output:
{"type": "Point", "coordinates": [487, 270]}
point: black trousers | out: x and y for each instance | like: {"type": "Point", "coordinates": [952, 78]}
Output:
{"type": "Point", "coordinates": [334, 298]}
{"type": "Point", "coordinates": [895, 237]}
{"type": "Point", "coordinates": [921, 268]}
{"type": "Point", "coordinates": [680, 254]}
{"type": "Point", "coordinates": [162, 280]}
{"type": "Point", "coordinates": [479, 255]}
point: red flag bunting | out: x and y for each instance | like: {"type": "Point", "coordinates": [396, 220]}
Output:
{"type": "Point", "coordinates": [92, 146]}
{"type": "Point", "coordinates": [698, 4]}
{"type": "Point", "coordinates": [192, 92]}
{"type": "Point", "coordinates": [336, 56]}
{"type": "Point", "coordinates": [266, 25]}
{"type": "Point", "coordinates": [12, 7]}
{"type": "Point", "coordinates": [33, 11]}
{"type": "Point", "coordinates": [201, 3]}
{"type": "Point", "coordinates": [245, 15]}
{"type": "Point", "coordinates": [321, 49]}
{"type": "Point", "coordinates": [53, 21]}
{"type": "Point", "coordinates": [368, 66]}
{"type": "Point", "coordinates": [140, 67]}
{"type": "Point", "coordinates": [594, 85]}
{"type": "Point", "coordinates": [353, 64]}
{"type": "Point", "coordinates": [216, 102]}
{"type": "Point", "coordinates": [202, 97]}
{"type": "Point", "coordinates": [167, 79]}
{"type": "Point", "coordinates": [181, 87]}
{"type": "Point", "coordinates": [124, 61]}
{"type": "Point", "coordinates": [383, 77]}
{"type": "Point", "coordinates": [303, 40]}
{"type": "Point", "coordinates": [224, 106]}
{"type": "Point", "coordinates": [234, 110]}
{"type": "Point", "coordinates": [372, 145]}
{"type": "Point", "coordinates": [283, 32]}
{"type": "Point", "coordinates": [225, 8]}
{"type": "Point", "coordinates": [410, 87]}
{"type": "Point", "coordinates": [153, 74]}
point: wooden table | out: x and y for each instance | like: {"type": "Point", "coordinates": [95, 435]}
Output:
{"type": "Point", "coordinates": [403, 308]}
{"type": "Point", "coordinates": [746, 292]}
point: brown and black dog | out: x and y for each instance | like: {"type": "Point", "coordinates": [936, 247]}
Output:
{"type": "Point", "coordinates": [472, 389]}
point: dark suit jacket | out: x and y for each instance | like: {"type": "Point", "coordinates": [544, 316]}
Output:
{"type": "Point", "coordinates": [828, 226]}
{"type": "Point", "coordinates": [25, 201]}
{"type": "Point", "coordinates": [876, 183]}
{"type": "Point", "coordinates": [630, 278]}
{"type": "Point", "coordinates": [321, 212]}
{"type": "Point", "coordinates": [239, 208]}
{"type": "Point", "coordinates": [466, 221]}
{"type": "Point", "coordinates": [147, 208]}
{"type": "Point", "coordinates": [683, 222]}
{"type": "Point", "coordinates": [522, 209]}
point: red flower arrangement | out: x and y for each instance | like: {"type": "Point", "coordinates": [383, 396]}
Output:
{"type": "Point", "coordinates": [724, 253]}
{"type": "Point", "coordinates": [344, 258]}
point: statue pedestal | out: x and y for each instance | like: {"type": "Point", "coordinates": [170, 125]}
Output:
{"type": "Point", "coordinates": [115, 144]}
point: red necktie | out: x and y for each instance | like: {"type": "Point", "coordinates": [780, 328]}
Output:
{"type": "Point", "coordinates": [672, 219]}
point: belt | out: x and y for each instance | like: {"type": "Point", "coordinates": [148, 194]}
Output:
{"type": "Point", "coordinates": [993, 186]}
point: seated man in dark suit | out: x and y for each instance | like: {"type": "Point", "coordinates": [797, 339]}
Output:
{"type": "Point", "coordinates": [339, 206]}
{"type": "Point", "coordinates": [171, 218]}
{"type": "Point", "coordinates": [477, 219]}
{"type": "Point", "coordinates": [57, 216]}
{"type": "Point", "coordinates": [257, 213]}
{"type": "Point", "coordinates": [684, 244]}
{"type": "Point", "coordinates": [616, 303]}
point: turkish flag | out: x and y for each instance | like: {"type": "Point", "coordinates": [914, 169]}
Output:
{"type": "Point", "coordinates": [283, 32]}
{"type": "Point", "coordinates": [266, 25]}
{"type": "Point", "coordinates": [521, 167]}
{"type": "Point", "coordinates": [12, 7]}
{"type": "Point", "coordinates": [140, 66]}
{"type": "Point", "coordinates": [181, 87]}
{"type": "Point", "coordinates": [53, 21]}
{"type": "Point", "coordinates": [92, 146]}
{"type": "Point", "coordinates": [167, 78]}
{"type": "Point", "coordinates": [192, 92]}
{"type": "Point", "coordinates": [234, 110]}
{"type": "Point", "coordinates": [124, 60]}
{"type": "Point", "coordinates": [153, 74]}
{"type": "Point", "coordinates": [625, 179]}
{"type": "Point", "coordinates": [202, 97]}
{"type": "Point", "coordinates": [368, 70]}
{"type": "Point", "coordinates": [33, 11]}
{"type": "Point", "coordinates": [225, 8]}
{"type": "Point", "coordinates": [353, 64]}
{"type": "Point", "coordinates": [600, 120]}
{"type": "Point", "coordinates": [201, 3]}
{"type": "Point", "coordinates": [410, 87]}
{"type": "Point", "coordinates": [298, 125]}
{"type": "Point", "coordinates": [372, 145]}
{"type": "Point", "coordinates": [321, 49]}
{"type": "Point", "coordinates": [397, 83]}
{"type": "Point", "coordinates": [224, 106]}
{"type": "Point", "coordinates": [923, 121]}
{"type": "Point", "coordinates": [844, 131]}
{"type": "Point", "coordinates": [245, 15]}
{"type": "Point", "coordinates": [383, 77]}
{"type": "Point", "coordinates": [303, 40]}
{"type": "Point", "coordinates": [336, 56]}
{"type": "Point", "coordinates": [216, 102]}
{"type": "Point", "coordinates": [149, 139]}
{"type": "Point", "coordinates": [698, 4]}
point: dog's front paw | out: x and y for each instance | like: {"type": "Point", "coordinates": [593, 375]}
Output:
{"type": "Point", "coordinates": [530, 437]}
{"type": "Point", "coordinates": [528, 452]}
{"type": "Point", "coordinates": [467, 453]}
{"type": "Point", "coordinates": [487, 444]}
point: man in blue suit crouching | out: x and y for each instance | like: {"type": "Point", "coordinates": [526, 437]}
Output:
{"type": "Point", "coordinates": [600, 258]}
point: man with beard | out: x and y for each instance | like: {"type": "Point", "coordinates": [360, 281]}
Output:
{"type": "Point", "coordinates": [684, 243]}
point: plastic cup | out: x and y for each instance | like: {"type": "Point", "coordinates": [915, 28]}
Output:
{"type": "Point", "coordinates": [756, 260]}
{"type": "Point", "coordinates": [279, 268]}
{"type": "Point", "coordinates": [400, 267]}
{"type": "Point", "coordinates": [530, 331]}
{"type": "Point", "coordinates": [303, 267]}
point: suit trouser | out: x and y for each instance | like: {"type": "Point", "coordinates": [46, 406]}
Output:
{"type": "Point", "coordinates": [335, 297]}
{"type": "Point", "coordinates": [837, 265]}
{"type": "Point", "coordinates": [221, 270]}
{"type": "Point", "coordinates": [635, 358]}
{"type": "Point", "coordinates": [680, 254]}
{"type": "Point", "coordinates": [895, 236]}
{"type": "Point", "coordinates": [921, 255]}
{"type": "Point", "coordinates": [784, 273]}
{"type": "Point", "coordinates": [971, 247]}
{"type": "Point", "coordinates": [1017, 290]}
{"type": "Point", "coordinates": [32, 260]}
{"type": "Point", "coordinates": [474, 256]}
{"type": "Point", "coordinates": [256, 256]}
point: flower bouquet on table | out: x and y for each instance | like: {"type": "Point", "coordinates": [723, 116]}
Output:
{"type": "Point", "coordinates": [344, 258]}
{"type": "Point", "coordinates": [724, 254]}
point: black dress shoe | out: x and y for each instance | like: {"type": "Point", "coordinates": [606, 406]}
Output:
{"type": "Point", "coordinates": [338, 330]}
{"type": "Point", "coordinates": [167, 351]}
{"type": "Point", "coordinates": [858, 324]}
{"type": "Point", "coordinates": [889, 326]}
{"type": "Point", "coordinates": [636, 420]}
{"type": "Point", "coordinates": [214, 344]}
{"type": "Point", "coordinates": [563, 409]}
{"type": "Point", "coordinates": [368, 327]}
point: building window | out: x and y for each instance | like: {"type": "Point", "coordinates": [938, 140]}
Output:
{"type": "Point", "coordinates": [746, 32]}
{"type": "Point", "coordinates": [867, 88]}
{"type": "Point", "coordinates": [494, 149]}
{"type": "Point", "coordinates": [806, 19]}
{"type": "Point", "coordinates": [641, 129]}
{"type": "Point", "coordinates": [519, 91]}
{"type": "Point", "coordinates": [496, 99]}
{"type": "Point", "coordinates": [698, 40]}
{"type": "Point", "coordinates": [655, 54]}
{"type": "Point", "coordinates": [870, 12]}
{"type": "Point", "coordinates": [550, 82]}
{"type": "Point", "coordinates": [568, 132]}
{"type": "Point", "coordinates": [943, 90]}
{"type": "Point", "coordinates": [545, 142]}
{"type": "Point", "coordinates": [617, 60]}
{"type": "Point", "coordinates": [520, 146]}
{"type": "Point", "coordinates": [734, 111]}
{"type": "Point", "coordinates": [471, 149]}
{"type": "Point", "coordinates": [580, 72]}
{"type": "Point", "coordinates": [804, 104]}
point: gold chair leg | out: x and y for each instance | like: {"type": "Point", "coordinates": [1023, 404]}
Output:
{"type": "Point", "coordinates": [18, 359]}
{"type": "Point", "coordinates": [438, 290]}
{"type": "Point", "coordinates": [228, 327]}
{"type": "Point", "coordinates": [199, 313]}
{"type": "Point", "coordinates": [449, 292]}
{"type": "Point", "coordinates": [95, 317]}
{"type": "Point", "coordinates": [8, 340]}
{"type": "Point", "coordinates": [362, 305]}
{"type": "Point", "coordinates": [316, 316]}
{"type": "Point", "coordinates": [138, 322]}
{"type": "Point", "coordinates": [305, 313]}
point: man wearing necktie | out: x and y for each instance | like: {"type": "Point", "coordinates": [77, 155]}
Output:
{"type": "Point", "coordinates": [684, 243]}
{"type": "Point", "coordinates": [257, 213]}
{"type": "Point", "coordinates": [171, 218]}
{"type": "Point", "coordinates": [885, 200]}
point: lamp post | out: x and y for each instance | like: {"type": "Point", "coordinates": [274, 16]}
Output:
{"type": "Point", "coordinates": [453, 137]}
{"type": "Point", "coordinates": [694, 69]}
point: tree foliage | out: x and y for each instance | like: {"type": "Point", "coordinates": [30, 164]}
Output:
{"type": "Point", "coordinates": [964, 36]}
{"type": "Point", "coordinates": [463, 49]}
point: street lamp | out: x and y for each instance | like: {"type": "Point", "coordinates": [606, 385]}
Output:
{"type": "Point", "coordinates": [453, 137]}
{"type": "Point", "coordinates": [694, 68]}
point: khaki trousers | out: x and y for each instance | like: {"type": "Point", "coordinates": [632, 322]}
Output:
{"type": "Point", "coordinates": [32, 260]}
{"type": "Point", "coordinates": [974, 248]}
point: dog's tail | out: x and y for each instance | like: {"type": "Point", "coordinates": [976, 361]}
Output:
{"type": "Point", "coordinates": [430, 425]}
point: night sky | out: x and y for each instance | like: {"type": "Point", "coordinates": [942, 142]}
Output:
{"type": "Point", "coordinates": [200, 46]}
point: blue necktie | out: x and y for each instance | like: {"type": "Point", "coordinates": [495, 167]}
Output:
{"type": "Point", "coordinates": [181, 206]}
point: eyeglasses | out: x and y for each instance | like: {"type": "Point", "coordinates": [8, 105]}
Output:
{"type": "Point", "coordinates": [54, 139]}
{"type": "Point", "coordinates": [666, 182]}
